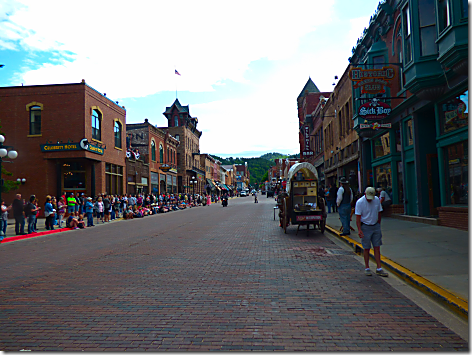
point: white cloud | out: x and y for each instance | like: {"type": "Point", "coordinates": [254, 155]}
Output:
{"type": "Point", "coordinates": [131, 51]}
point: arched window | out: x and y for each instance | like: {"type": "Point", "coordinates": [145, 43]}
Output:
{"type": "Point", "coordinates": [117, 131]}
{"type": "Point", "coordinates": [96, 125]}
{"type": "Point", "coordinates": [153, 150]}
{"type": "Point", "coordinates": [176, 121]}
{"type": "Point", "coordinates": [35, 120]}
{"type": "Point", "coordinates": [161, 154]}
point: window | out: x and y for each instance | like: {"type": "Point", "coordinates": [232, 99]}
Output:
{"type": "Point", "coordinates": [407, 34]}
{"type": "Point", "coordinates": [379, 62]}
{"type": "Point", "coordinates": [176, 121]}
{"type": "Point", "coordinates": [443, 15]}
{"type": "Point", "coordinates": [161, 154]}
{"type": "Point", "coordinates": [457, 165]}
{"type": "Point", "coordinates": [409, 133]}
{"type": "Point", "coordinates": [454, 113]}
{"type": "Point", "coordinates": [383, 175]}
{"type": "Point", "coordinates": [96, 125]}
{"type": "Point", "coordinates": [153, 150]}
{"type": "Point", "coordinates": [114, 179]}
{"type": "Point", "coordinates": [35, 120]}
{"type": "Point", "coordinates": [428, 34]}
{"type": "Point", "coordinates": [382, 146]}
{"type": "Point", "coordinates": [117, 131]}
{"type": "Point", "coordinates": [464, 9]}
{"type": "Point", "coordinates": [177, 137]}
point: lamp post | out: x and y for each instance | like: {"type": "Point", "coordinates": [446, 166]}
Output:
{"type": "Point", "coordinates": [4, 152]}
{"type": "Point", "coordinates": [193, 182]}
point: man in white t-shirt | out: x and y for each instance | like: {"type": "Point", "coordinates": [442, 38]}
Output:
{"type": "Point", "coordinates": [385, 199]}
{"type": "Point", "coordinates": [368, 218]}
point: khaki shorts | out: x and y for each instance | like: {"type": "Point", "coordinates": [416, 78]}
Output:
{"type": "Point", "coordinates": [372, 235]}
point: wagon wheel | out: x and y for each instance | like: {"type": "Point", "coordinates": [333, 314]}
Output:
{"type": "Point", "coordinates": [322, 225]}
{"type": "Point", "coordinates": [285, 220]}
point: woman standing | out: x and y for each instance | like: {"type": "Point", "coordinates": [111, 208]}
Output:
{"type": "Point", "coordinates": [61, 209]}
{"type": "Point", "coordinates": [49, 213]}
{"type": "Point", "coordinates": [208, 200]}
{"type": "Point", "coordinates": [100, 209]}
{"type": "Point", "coordinates": [30, 211]}
{"type": "Point", "coordinates": [4, 217]}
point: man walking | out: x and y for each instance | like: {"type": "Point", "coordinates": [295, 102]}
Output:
{"type": "Point", "coordinates": [18, 214]}
{"type": "Point", "coordinates": [368, 218]}
{"type": "Point", "coordinates": [343, 201]}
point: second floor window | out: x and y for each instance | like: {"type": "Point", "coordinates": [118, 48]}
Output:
{"type": "Point", "coordinates": [407, 34]}
{"type": "Point", "coordinates": [443, 15]}
{"type": "Point", "coordinates": [161, 154]}
{"type": "Point", "coordinates": [117, 131]}
{"type": "Point", "coordinates": [153, 151]}
{"type": "Point", "coordinates": [96, 125]}
{"type": "Point", "coordinates": [35, 120]}
{"type": "Point", "coordinates": [428, 36]}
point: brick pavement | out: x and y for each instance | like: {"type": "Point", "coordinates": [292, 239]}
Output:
{"type": "Point", "coordinates": [208, 278]}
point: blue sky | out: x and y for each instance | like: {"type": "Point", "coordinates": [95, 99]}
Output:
{"type": "Point", "coordinates": [242, 64]}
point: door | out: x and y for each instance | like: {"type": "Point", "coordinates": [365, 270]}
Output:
{"type": "Point", "coordinates": [411, 190]}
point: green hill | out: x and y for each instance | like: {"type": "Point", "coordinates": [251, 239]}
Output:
{"type": "Point", "coordinates": [258, 167]}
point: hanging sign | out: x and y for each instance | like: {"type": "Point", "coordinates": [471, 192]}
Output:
{"type": "Point", "coordinates": [375, 126]}
{"type": "Point", "coordinates": [63, 147]}
{"type": "Point", "coordinates": [372, 81]}
{"type": "Point", "coordinates": [374, 110]}
{"type": "Point", "coordinates": [307, 151]}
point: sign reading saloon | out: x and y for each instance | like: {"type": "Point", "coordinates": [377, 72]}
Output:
{"type": "Point", "coordinates": [372, 81]}
{"type": "Point", "coordinates": [375, 110]}
{"type": "Point", "coordinates": [307, 151]}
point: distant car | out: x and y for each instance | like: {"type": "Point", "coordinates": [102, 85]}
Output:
{"type": "Point", "coordinates": [243, 193]}
{"type": "Point", "coordinates": [270, 193]}
{"type": "Point", "coordinates": [263, 192]}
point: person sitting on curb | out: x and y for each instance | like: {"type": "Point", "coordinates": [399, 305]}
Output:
{"type": "Point", "coordinates": [368, 217]}
{"type": "Point", "coordinates": [72, 222]}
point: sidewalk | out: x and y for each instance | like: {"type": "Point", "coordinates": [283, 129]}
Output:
{"type": "Point", "coordinates": [433, 258]}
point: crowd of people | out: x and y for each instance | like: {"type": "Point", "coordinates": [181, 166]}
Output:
{"type": "Point", "coordinates": [78, 211]}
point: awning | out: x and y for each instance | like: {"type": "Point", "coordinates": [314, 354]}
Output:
{"type": "Point", "coordinates": [224, 187]}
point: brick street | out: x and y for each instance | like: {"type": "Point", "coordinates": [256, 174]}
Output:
{"type": "Point", "coordinates": [206, 278]}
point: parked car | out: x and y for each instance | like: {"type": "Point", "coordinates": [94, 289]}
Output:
{"type": "Point", "coordinates": [243, 193]}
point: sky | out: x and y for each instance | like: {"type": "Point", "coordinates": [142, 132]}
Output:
{"type": "Point", "coordinates": [242, 64]}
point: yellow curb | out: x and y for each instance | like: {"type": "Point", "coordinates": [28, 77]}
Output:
{"type": "Point", "coordinates": [453, 301]}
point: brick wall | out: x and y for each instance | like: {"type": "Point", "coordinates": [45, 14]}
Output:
{"type": "Point", "coordinates": [455, 217]}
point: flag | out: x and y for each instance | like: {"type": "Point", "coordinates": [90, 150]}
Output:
{"type": "Point", "coordinates": [176, 72]}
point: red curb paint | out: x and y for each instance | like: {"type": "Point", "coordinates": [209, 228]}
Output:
{"type": "Point", "coordinates": [33, 235]}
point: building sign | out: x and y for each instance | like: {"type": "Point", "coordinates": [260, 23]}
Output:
{"type": "Point", "coordinates": [65, 147]}
{"type": "Point", "coordinates": [173, 170]}
{"type": "Point", "coordinates": [307, 151]}
{"type": "Point", "coordinates": [375, 125]}
{"type": "Point", "coordinates": [372, 81]}
{"type": "Point", "coordinates": [375, 110]}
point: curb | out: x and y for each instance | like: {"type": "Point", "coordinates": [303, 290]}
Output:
{"type": "Point", "coordinates": [451, 300]}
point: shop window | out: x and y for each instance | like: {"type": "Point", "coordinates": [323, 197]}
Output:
{"type": "Point", "coordinates": [454, 113]}
{"type": "Point", "coordinates": [117, 131]}
{"type": "Point", "coordinates": [153, 150]}
{"type": "Point", "coordinates": [161, 154]}
{"type": "Point", "coordinates": [443, 15]}
{"type": "Point", "coordinates": [407, 34]}
{"type": "Point", "coordinates": [383, 176]}
{"type": "Point", "coordinates": [457, 168]}
{"type": "Point", "coordinates": [35, 120]}
{"type": "Point", "coordinates": [96, 125]}
{"type": "Point", "coordinates": [114, 179]}
{"type": "Point", "coordinates": [382, 146]}
{"type": "Point", "coordinates": [73, 176]}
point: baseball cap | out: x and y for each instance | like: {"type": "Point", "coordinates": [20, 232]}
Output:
{"type": "Point", "coordinates": [370, 193]}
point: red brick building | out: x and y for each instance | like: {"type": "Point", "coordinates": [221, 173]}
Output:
{"type": "Point", "coordinates": [157, 150]}
{"type": "Point", "coordinates": [69, 137]}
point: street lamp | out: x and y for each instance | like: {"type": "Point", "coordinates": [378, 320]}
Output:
{"type": "Point", "coordinates": [4, 152]}
{"type": "Point", "coordinates": [193, 182]}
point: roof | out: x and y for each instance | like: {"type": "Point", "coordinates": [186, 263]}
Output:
{"type": "Point", "coordinates": [310, 87]}
{"type": "Point", "coordinates": [179, 107]}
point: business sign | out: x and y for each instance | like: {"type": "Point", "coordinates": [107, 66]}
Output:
{"type": "Point", "coordinates": [65, 147]}
{"type": "Point", "coordinates": [374, 110]}
{"type": "Point", "coordinates": [372, 81]}
{"type": "Point", "coordinates": [309, 218]}
{"type": "Point", "coordinates": [307, 151]}
{"type": "Point", "coordinates": [375, 125]}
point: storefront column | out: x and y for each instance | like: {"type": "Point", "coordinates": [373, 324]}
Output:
{"type": "Point", "coordinates": [92, 183]}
